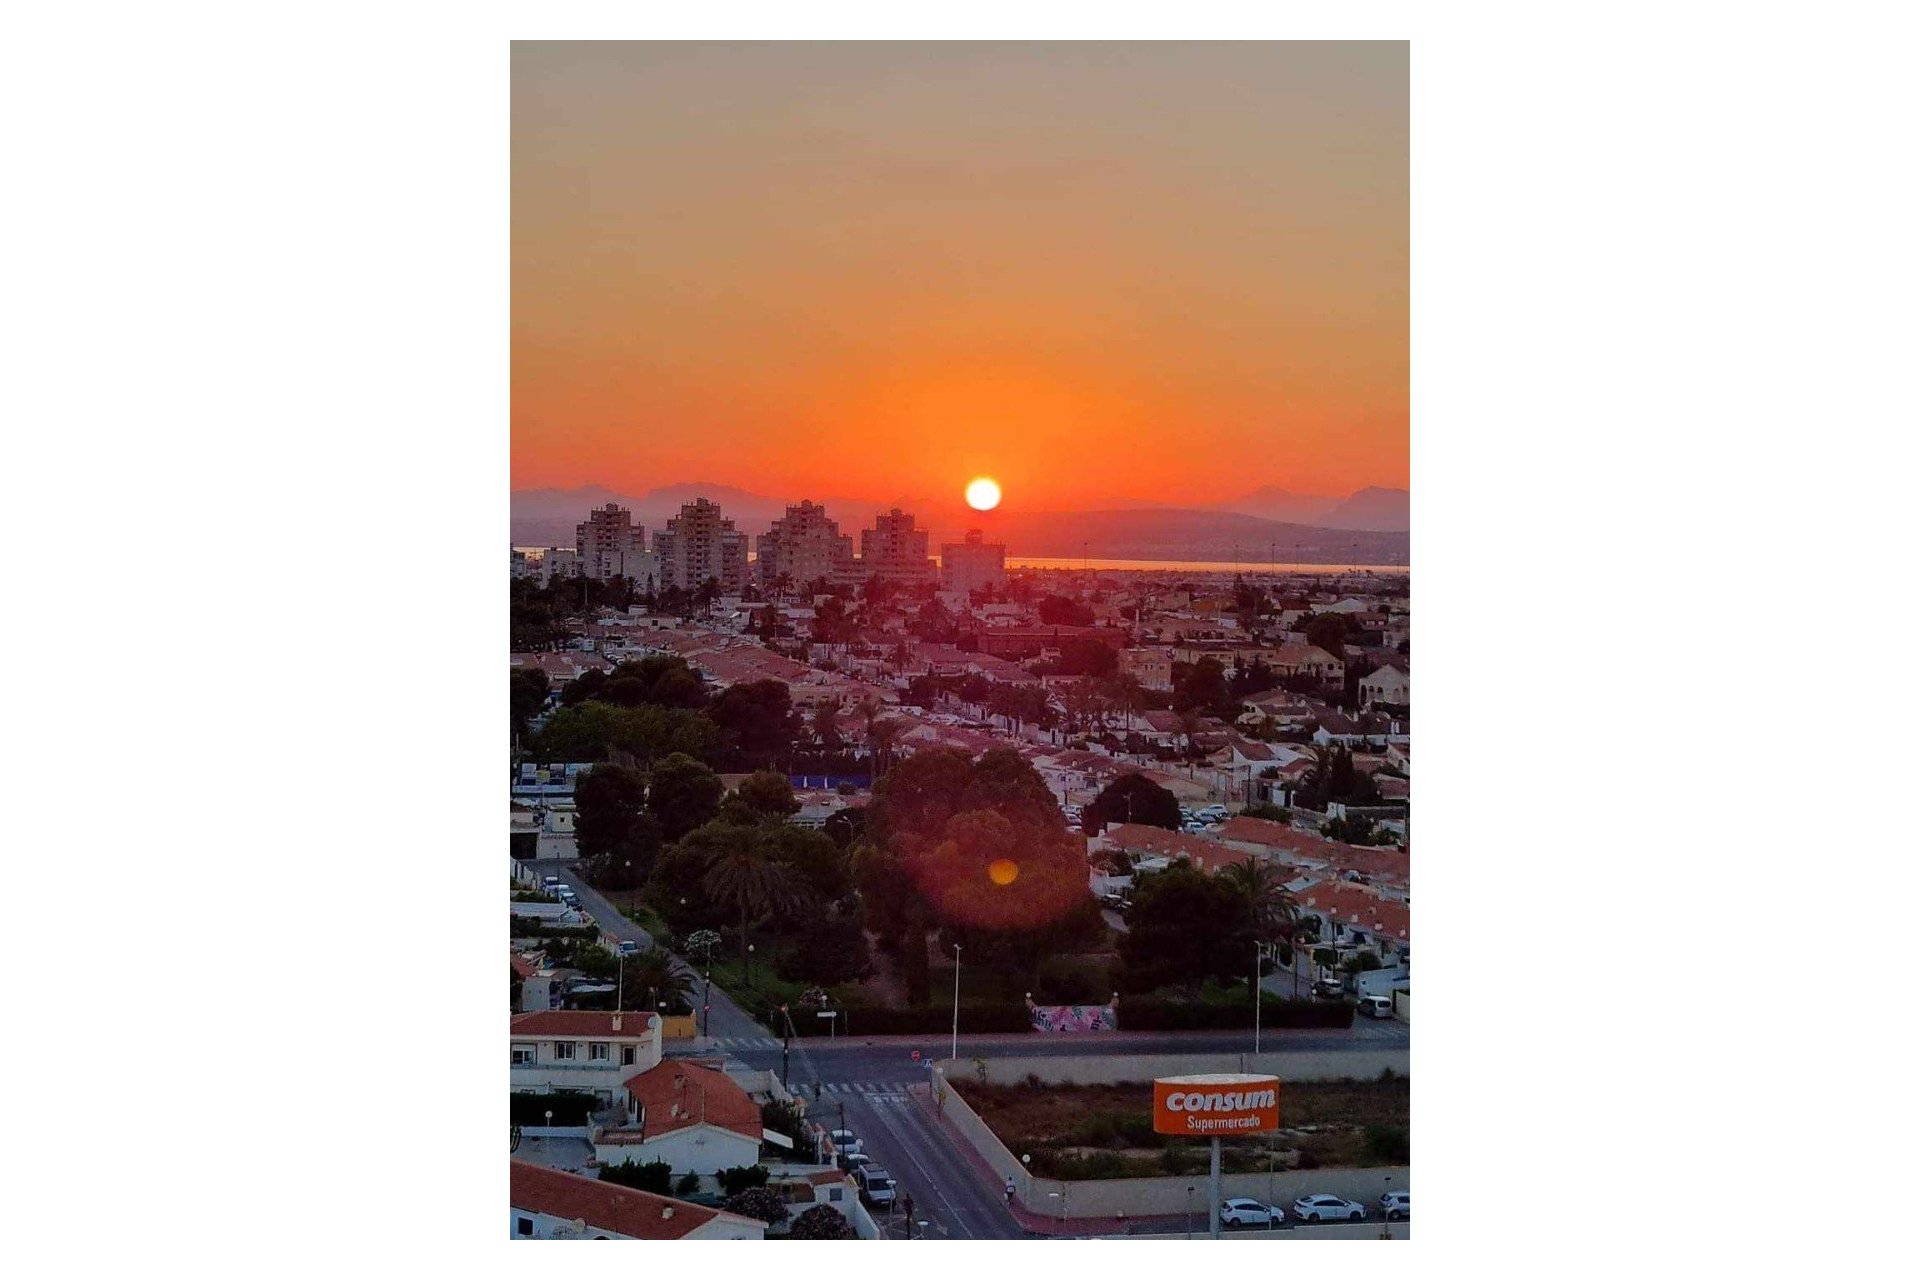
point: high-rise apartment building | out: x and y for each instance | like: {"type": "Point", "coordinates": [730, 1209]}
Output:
{"type": "Point", "coordinates": [804, 545]}
{"type": "Point", "coordinates": [967, 566]}
{"type": "Point", "coordinates": [610, 545]}
{"type": "Point", "coordinates": [895, 551]}
{"type": "Point", "coordinates": [698, 544]}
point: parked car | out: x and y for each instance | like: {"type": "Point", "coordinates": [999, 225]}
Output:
{"type": "Point", "coordinates": [876, 1186]}
{"type": "Point", "coordinates": [1192, 827]}
{"type": "Point", "coordinates": [1393, 1205]}
{"type": "Point", "coordinates": [853, 1161]}
{"type": "Point", "coordinates": [628, 947]}
{"type": "Point", "coordinates": [1244, 1212]}
{"type": "Point", "coordinates": [844, 1140]}
{"type": "Point", "coordinates": [1325, 1208]}
{"type": "Point", "coordinates": [1376, 1006]}
{"type": "Point", "coordinates": [1329, 988]}
{"type": "Point", "coordinates": [1216, 812]}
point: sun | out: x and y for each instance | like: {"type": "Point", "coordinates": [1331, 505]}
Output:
{"type": "Point", "coordinates": [983, 493]}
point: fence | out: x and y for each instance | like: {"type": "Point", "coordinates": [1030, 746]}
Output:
{"type": "Point", "coordinates": [1120, 1068]}
{"type": "Point", "coordinates": [1138, 1197]}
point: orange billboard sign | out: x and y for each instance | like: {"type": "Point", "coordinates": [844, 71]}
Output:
{"type": "Point", "coordinates": [1216, 1105]}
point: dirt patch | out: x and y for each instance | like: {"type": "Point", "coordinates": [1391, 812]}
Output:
{"type": "Point", "coordinates": [1106, 1131]}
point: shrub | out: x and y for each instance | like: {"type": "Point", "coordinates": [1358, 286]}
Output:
{"type": "Point", "coordinates": [758, 1202]}
{"type": "Point", "coordinates": [822, 1222]}
{"type": "Point", "coordinates": [742, 1178]}
{"type": "Point", "coordinates": [655, 1176]}
{"type": "Point", "coordinates": [1387, 1143]}
{"type": "Point", "coordinates": [1163, 1013]}
{"type": "Point", "coordinates": [687, 1185]}
{"type": "Point", "coordinates": [569, 1107]}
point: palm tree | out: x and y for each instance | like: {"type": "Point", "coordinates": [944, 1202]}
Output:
{"type": "Point", "coordinates": [1274, 912]}
{"type": "Point", "coordinates": [654, 970]}
{"type": "Point", "coordinates": [747, 877]}
{"type": "Point", "coordinates": [881, 735]}
{"type": "Point", "coordinates": [1270, 904]}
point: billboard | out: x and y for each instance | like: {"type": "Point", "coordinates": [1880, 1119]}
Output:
{"type": "Point", "coordinates": [1216, 1106]}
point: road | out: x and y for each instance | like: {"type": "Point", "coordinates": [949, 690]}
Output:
{"type": "Point", "coordinates": [724, 1018]}
{"type": "Point", "coordinates": [867, 1082]}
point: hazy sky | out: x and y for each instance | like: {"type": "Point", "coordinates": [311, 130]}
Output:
{"type": "Point", "coordinates": [1094, 271]}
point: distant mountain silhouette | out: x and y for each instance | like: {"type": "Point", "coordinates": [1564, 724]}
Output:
{"type": "Point", "coordinates": [1274, 503]}
{"type": "Point", "coordinates": [546, 517]}
{"type": "Point", "coordinates": [1371, 508]}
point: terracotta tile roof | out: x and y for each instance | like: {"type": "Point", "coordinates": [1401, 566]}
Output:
{"type": "Point", "coordinates": [704, 1093]}
{"type": "Point", "coordinates": [1366, 859]}
{"type": "Point", "coordinates": [1359, 907]}
{"type": "Point", "coordinates": [585, 1023]}
{"type": "Point", "coordinates": [605, 1206]}
{"type": "Point", "coordinates": [1137, 837]}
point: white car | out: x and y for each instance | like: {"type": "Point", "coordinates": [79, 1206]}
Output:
{"type": "Point", "coordinates": [1328, 1209]}
{"type": "Point", "coordinates": [1243, 1212]}
{"type": "Point", "coordinates": [1393, 1205]}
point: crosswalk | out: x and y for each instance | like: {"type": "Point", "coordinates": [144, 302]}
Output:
{"type": "Point", "coordinates": [747, 1042]}
{"type": "Point", "coordinates": [870, 1087]}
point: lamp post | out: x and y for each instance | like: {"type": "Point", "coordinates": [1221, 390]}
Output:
{"type": "Point", "coordinates": [748, 977]}
{"type": "Point", "coordinates": [628, 864]}
{"type": "Point", "coordinates": [955, 1052]}
{"type": "Point", "coordinates": [1189, 1211]}
{"type": "Point", "coordinates": [706, 1006]}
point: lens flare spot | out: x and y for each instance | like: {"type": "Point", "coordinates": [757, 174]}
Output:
{"type": "Point", "coordinates": [1003, 871]}
{"type": "Point", "coordinates": [983, 494]}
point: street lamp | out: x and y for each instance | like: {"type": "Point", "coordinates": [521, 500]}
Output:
{"type": "Point", "coordinates": [955, 1054]}
{"type": "Point", "coordinates": [748, 977]}
{"type": "Point", "coordinates": [1189, 1211]}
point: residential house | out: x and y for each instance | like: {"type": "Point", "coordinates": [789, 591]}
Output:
{"type": "Point", "coordinates": [1387, 684]}
{"type": "Point", "coordinates": [552, 1204]}
{"type": "Point", "coordinates": [693, 1117]}
{"type": "Point", "coordinates": [582, 1049]}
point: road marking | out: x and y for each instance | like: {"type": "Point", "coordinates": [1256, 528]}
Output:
{"type": "Point", "coordinates": [930, 1182]}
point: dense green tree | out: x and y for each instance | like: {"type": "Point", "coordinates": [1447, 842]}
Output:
{"type": "Point", "coordinates": [1203, 687]}
{"type": "Point", "coordinates": [1329, 631]}
{"type": "Point", "coordinates": [683, 794]}
{"type": "Point", "coordinates": [1055, 611]}
{"type": "Point", "coordinates": [607, 801]}
{"type": "Point", "coordinates": [1271, 909]}
{"type": "Point", "coordinates": [746, 877]}
{"type": "Point", "coordinates": [768, 794]}
{"type": "Point", "coordinates": [677, 887]}
{"type": "Point", "coordinates": [1133, 797]}
{"type": "Point", "coordinates": [1086, 656]}
{"type": "Point", "coordinates": [825, 952]}
{"type": "Point", "coordinates": [757, 723]}
{"type": "Point", "coordinates": [595, 730]}
{"type": "Point", "coordinates": [1184, 927]}
{"type": "Point", "coordinates": [529, 694]}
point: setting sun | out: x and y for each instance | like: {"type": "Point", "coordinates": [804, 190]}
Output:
{"type": "Point", "coordinates": [983, 494]}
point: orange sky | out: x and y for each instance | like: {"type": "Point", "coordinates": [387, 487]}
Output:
{"type": "Point", "coordinates": [1153, 272]}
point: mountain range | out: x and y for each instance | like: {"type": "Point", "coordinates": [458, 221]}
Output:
{"type": "Point", "coordinates": [1365, 527]}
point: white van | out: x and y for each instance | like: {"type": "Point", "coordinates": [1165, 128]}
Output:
{"type": "Point", "coordinates": [876, 1186]}
{"type": "Point", "coordinates": [1376, 1006]}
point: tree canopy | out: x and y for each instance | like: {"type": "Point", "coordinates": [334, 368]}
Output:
{"type": "Point", "coordinates": [1184, 927]}
{"type": "Point", "coordinates": [683, 794]}
{"type": "Point", "coordinates": [1133, 797]}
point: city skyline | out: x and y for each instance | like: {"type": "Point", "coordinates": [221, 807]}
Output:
{"type": "Point", "coordinates": [1010, 258]}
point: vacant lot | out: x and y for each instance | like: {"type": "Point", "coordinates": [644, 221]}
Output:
{"type": "Point", "coordinates": [1106, 1131]}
